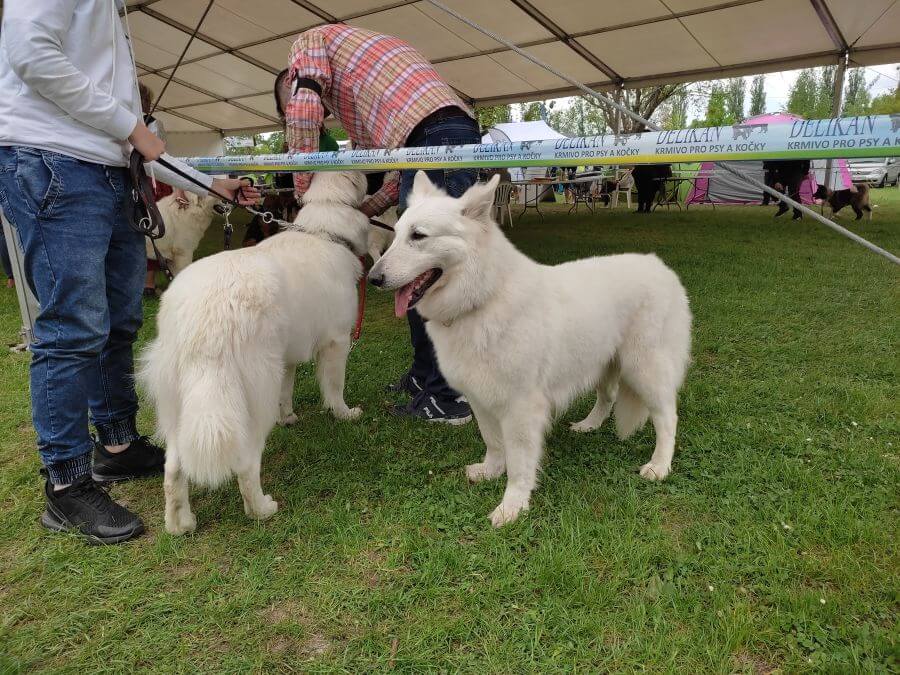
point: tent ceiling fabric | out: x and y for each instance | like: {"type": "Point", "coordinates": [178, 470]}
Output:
{"type": "Point", "coordinates": [225, 81]}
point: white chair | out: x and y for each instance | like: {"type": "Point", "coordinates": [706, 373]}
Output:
{"type": "Point", "coordinates": [624, 183]}
{"type": "Point", "coordinates": [502, 197]}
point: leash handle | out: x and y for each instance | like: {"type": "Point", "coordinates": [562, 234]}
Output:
{"type": "Point", "coordinates": [174, 169]}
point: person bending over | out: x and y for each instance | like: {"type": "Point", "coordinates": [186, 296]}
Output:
{"type": "Point", "coordinates": [385, 94]}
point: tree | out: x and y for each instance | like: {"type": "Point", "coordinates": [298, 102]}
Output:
{"type": "Point", "coordinates": [886, 104]}
{"type": "Point", "coordinates": [735, 94]}
{"type": "Point", "coordinates": [716, 112]}
{"type": "Point", "coordinates": [491, 115]}
{"type": "Point", "coordinates": [645, 101]}
{"type": "Point", "coordinates": [578, 118]}
{"type": "Point", "coordinates": [531, 112]}
{"type": "Point", "coordinates": [857, 94]}
{"type": "Point", "coordinates": [803, 94]}
{"type": "Point", "coordinates": [674, 112]}
{"type": "Point", "coordinates": [758, 96]}
{"type": "Point", "coordinates": [825, 96]}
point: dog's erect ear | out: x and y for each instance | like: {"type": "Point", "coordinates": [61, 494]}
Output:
{"type": "Point", "coordinates": [423, 187]}
{"type": "Point", "coordinates": [479, 199]}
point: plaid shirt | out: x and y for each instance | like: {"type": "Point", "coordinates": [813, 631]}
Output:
{"type": "Point", "coordinates": [379, 88]}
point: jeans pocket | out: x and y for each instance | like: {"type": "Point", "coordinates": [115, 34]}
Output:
{"type": "Point", "coordinates": [38, 180]}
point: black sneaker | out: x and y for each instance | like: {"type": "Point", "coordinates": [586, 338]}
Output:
{"type": "Point", "coordinates": [140, 460]}
{"type": "Point", "coordinates": [408, 384]}
{"type": "Point", "coordinates": [782, 209]}
{"type": "Point", "coordinates": [430, 409]}
{"type": "Point", "coordinates": [86, 508]}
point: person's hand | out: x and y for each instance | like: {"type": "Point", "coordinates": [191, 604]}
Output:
{"type": "Point", "coordinates": [241, 188]}
{"type": "Point", "coordinates": [146, 142]}
{"type": "Point", "coordinates": [181, 200]}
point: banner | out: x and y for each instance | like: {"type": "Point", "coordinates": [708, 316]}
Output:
{"type": "Point", "coordinates": [844, 137]}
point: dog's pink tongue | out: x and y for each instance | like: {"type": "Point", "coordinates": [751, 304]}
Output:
{"type": "Point", "coordinates": [401, 300]}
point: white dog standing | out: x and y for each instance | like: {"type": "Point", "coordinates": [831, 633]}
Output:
{"type": "Point", "coordinates": [232, 329]}
{"type": "Point", "coordinates": [521, 340]}
{"type": "Point", "coordinates": [185, 227]}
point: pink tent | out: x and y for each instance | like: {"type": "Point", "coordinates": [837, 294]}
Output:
{"type": "Point", "coordinates": [718, 187]}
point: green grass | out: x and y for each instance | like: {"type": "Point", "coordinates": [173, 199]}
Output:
{"type": "Point", "coordinates": [772, 545]}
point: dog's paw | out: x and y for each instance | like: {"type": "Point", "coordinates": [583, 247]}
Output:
{"type": "Point", "coordinates": [184, 522]}
{"type": "Point", "coordinates": [582, 427]}
{"type": "Point", "coordinates": [288, 420]}
{"type": "Point", "coordinates": [508, 511]}
{"type": "Point", "coordinates": [265, 509]}
{"type": "Point", "coordinates": [652, 471]}
{"type": "Point", "coordinates": [482, 471]}
{"type": "Point", "coordinates": [348, 413]}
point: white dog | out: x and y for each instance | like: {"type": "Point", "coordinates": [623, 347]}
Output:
{"type": "Point", "coordinates": [232, 329]}
{"type": "Point", "coordinates": [521, 340]}
{"type": "Point", "coordinates": [185, 227]}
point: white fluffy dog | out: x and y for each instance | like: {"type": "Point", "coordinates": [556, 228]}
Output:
{"type": "Point", "coordinates": [521, 340]}
{"type": "Point", "coordinates": [232, 329]}
{"type": "Point", "coordinates": [185, 228]}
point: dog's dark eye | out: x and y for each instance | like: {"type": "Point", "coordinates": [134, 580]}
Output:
{"type": "Point", "coordinates": [417, 236]}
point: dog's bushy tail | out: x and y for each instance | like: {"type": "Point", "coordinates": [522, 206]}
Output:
{"type": "Point", "coordinates": [211, 381]}
{"type": "Point", "coordinates": [211, 431]}
{"type": "Point", "coordinates": [630, 412]}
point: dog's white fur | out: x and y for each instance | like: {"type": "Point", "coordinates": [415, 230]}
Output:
{"type": "Point", "coordinates": [521, 340]}
{"type": "Point", "coordinates": [379, 238]}
{"type": "Point", "coordinates": [232, 329]}
{"type": "Point", "coordinates": [185, 228]}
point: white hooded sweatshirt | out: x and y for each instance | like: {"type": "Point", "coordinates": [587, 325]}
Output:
{"type": "Point", "coordinates": [68, 83]}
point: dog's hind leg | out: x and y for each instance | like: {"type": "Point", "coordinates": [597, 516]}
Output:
{"type": "Point", "coordinates": [179, 519]}
{"type": "Point", "coordinates": [607, 390]}
{"type": "Point", "coordinates": [652, 381]}
{"type": "Point", "coordinates": [256, 504]}
{"type": "Point", "coordinates": [523, 443]}
{"type": "Point", "coordinates": [331, 368]}
{"type": "Point", "coordinates": [494, 463]}
{"type": "Point", "coordinates": [286, 414]}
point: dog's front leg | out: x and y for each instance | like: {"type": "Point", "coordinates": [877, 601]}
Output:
{"type": "Point", "coordinates": [494, 463]}
{"type": "Point", "coordinates": [331, 368]}
{"type": "Point", "coordinates": [286, 414]}
{"type": "Point", "coordinates": [523, 442]}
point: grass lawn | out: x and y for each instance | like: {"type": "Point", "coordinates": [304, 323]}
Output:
{"type": "Point", "coordinates": [774, 544]}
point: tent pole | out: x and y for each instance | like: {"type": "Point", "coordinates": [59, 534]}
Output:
{"type": "Point", "coordinates": [837, 105]}
{"type": "Point", "coordinates": [649, 125]}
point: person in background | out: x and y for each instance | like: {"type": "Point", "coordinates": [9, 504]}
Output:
{"type": "Point", "coordinates": [65, 140]}
{"type": "Point", "coordinates": [385, 94]}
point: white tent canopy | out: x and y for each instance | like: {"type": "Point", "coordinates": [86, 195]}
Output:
{"type": "Point", "coordinates": [226, 79]}
{"type": "Point", "coordinates": [522, 131]}
{"type": "Point", "coordinates": [224, 84]}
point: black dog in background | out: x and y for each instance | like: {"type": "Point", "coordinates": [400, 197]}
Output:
{"type": "Point", "coordinates": [838, 199]}
{"type": "Point", "coordinates": [647, 180]}
{"type": "Point", "coordinates": [785, 176]}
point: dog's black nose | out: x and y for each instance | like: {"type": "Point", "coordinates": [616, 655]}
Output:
{"type": "Point", "coordinates": [377, 280]}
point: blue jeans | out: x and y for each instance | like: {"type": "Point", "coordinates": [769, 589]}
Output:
{"type": "Point", "coordinates": [462, 130]}
{"type": "Point", "coordinates": [86, 266]}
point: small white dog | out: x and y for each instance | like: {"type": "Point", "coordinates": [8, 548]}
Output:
{"type": "Point", "coordinates": [521, 340]}
{"type": "Point", "coordinates": [232, 329]}
{"type": "Point", "coordinates": [185, 227]}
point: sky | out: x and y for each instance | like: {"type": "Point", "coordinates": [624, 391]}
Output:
{"type": "Point", "coordinates": [883, 78]}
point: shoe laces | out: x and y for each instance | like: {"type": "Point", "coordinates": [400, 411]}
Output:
{"type": "Point", "coordinates": [91, 493]}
